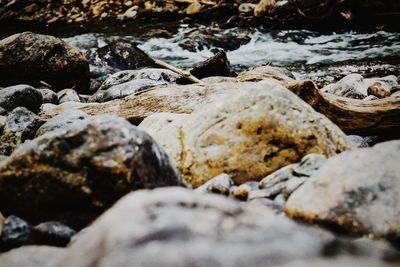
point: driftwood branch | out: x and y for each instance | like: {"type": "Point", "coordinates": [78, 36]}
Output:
{"type": "Point", "coordinates": [353, 116]}
{"type": "Point", "coordinates": [187, 75]}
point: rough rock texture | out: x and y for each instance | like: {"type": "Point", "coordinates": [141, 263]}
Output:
{"type": "Point", "coordinates": [72, 174]}
{"type": "Point", "coordinates": [61, 121]}
{"type": "Point", "coordinates": [124, 89]}
{"type": "Point", "coordinates": [287, 179]}
{"type": "Point", "coordinates": [248, 134]}
{"type": "Point", "coordinates": [120, 56]}
{"type": "Point", "coordinates": [21, 125]}
{"type": "Point", "coordinates": [260, 73]}
{"type": "Point", "coordinates": [32, 256]}
{"type": "Point", "coordinates": [176, 227]}
{"type": "Point", "coordinates": [160, 75]}
{"type": "Point", "coordinates": [30, 58]}
{"type": "Point", "coordinates": [16, 232]}
{"type": "Point", "coordinates": [220, 184]}
{"type": "Point", "coordinates": [68, 95]}
{"type": "Point", "coordinates": [49, 96]}
{"type": "Point", "coordinates": [357, 190]}
{"type": "Point", "coordinates": [52, 233]}
{"type": "Point", "coordinates": [20, 96]}
{"type": "Point", "coordinates": [355, 86]}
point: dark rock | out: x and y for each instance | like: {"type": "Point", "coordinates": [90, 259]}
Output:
{"type": "Point", "coordinates": [120, 55]}
{"type": "Point", "coordinates": [30, 58]}
{"type": "Point", "coordinates": [123, 90]}
{"type": "Point", "coordinates": [16, 232]}
{"type": "Point", "coordinates": [260, 73]}
{"type": "Point", "coordinates": [159, 75]}
{"type": "Point", "coordinates": [94, 85]}
{"type": "Point", "coordinates": [287, 179]}
{"type": "Point", "coordinates": [52, 233]}
{"type": "Point", "coordinates": [62, 121]}
{"type": "Point", "coordinates": [20, 96]}
{"type": "Point", "coordinates": [48, 96]}
{"type": "Point", "coordinates": [218, 65]}
{"type": "Point", "coordinates": [74, 173]}
{"type": "Point", "coordinates": [32, 256]}
{"type": "Point", "coordinates": [357, 191]}
{"type": "Point", "coordinates": [68, 95]}
{"type": "Point", "coordinates": [220, 184]}
{"type": "Point", "coordinates": [176, 227]}
{"type": "Point", "coordinates": [21, 125]}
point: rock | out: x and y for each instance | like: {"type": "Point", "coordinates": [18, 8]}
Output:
{"type": "Point", "coordinates": [16, 232]}
{"type": "Point", "coordinates": [248, 134]}
{"type": "Point", "coordinates": [264, 7]}
{"type": "Point", "coordinates": [52, 233]}
{"type": "Point", "coordinates": [218, 79]}
{"type": "Point", "coordinates": [68, 95]}
{"type": "Point", "coordinates": [29, 58]}
{"type": "Point", "coordinates": [72, 174]}
{"type": "Point", "coordinates": [203, 230]}
{"type": "Point", "coordinates": [355, 86]}
{"type": "Point", "coordinates": [260, 73]}
{"type": "Point", "coordinates": [287, 179]}
{"type": "Point", "coordinates": [360, 141]}
{"type": "Point", "coordinates": [1, 220]}
{"type": "Point", "coordinates": [48, 96]}
{"type": "Point", "coordinates": [220, 184]}
{"type": "Point", "coordinates": [3, 120]}
{"type": "Point", "coordinates": [123, 90]}
{"type": "Point", "coordinates": [243, 190]}
{"type": "Point", "coordinates": [20, 96]}
{"type": "Point", "coordinates": [120, 56]}
{"type": "Point", "coordinates": [62, 121]}
{"type": "Point", "coordinates": [21, 125]}
{"type": "Point", "coordinates": [3, 112]}
{"type": "Point", "coordinates": [357, 191]}
{"type": "Point", "coordinates": [32, 256]}
{"type": "Point", "coordinates": [159, 75]}
{"type": "Point", "coordinates": [217, 65]}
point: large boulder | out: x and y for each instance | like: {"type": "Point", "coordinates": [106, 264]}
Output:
{"type": "Point", "coordinates": [30, 58]}
{"type": "Point", "coordinates": [357, 190]}
{"type": "Point", "coordinates": [21, 125]}
{"type": "Point", "coordinates": [32, 256]}
{"type": "Point", "coordinates": [176, 227]}
{"type": "Point", "coordinates": [73, 173]}
{"type": "Point", "coordinates": [248, 134]}
{"type": "Point", "coordinates": [20, 96]}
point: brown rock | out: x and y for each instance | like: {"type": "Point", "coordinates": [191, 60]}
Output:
{"type": "Point", "coordinates": [30, 58]}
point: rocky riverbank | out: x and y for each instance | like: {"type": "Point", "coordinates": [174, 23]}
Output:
{"type": "Point", "coordinates": [266, 14]}
{"type": "Point", "coordinates": [108, 160]}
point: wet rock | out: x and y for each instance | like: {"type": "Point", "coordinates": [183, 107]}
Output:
{"type": "Point", "coordinates": [287, 179]}
{"type": "Point", "coordinates": [203, 229]}
{"type": "Point", "coordinates": [355, 86]}
{"type": "Point", "coordinates": [16, 232]}
{"type": "Point", "coordinates": [218, 65]}
{"type": "Point", "coordinates": [158, 75]}
{"type": "Point", "coordinates": [32, 256]}
{"type": "Point", "coordinates": [68, 95]}
{"type": "Point", "coordinates": [357, 191]}
{"type": "Point", "coordinates": [220, 184]}
{"type": "Point", "coordinates": [62, 121]}
{"type": "Point", "coordinates": [260, 73]}
{"type": "Point", "coordinates": [248, 134]}
{"type": "Point", "coordinates": [72, 174]}
{"type": "Point", "coordinates": [120, 55]}
{"type": "Point", "coordinates": [48, 96]}
{"type": "Point", "coordinates": [20, 96]}
{"type": "Point", "coordinates": [21, 125]}
{"type": "Point", "coordinates": [124, 89]}
{"type": "Point", "coordinates": [52, 233]}
{"type": "Point", "coordinates": [29, 58]}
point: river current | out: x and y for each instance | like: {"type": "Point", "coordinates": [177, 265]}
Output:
{"type": "Point", "coordinates": [323, 57]}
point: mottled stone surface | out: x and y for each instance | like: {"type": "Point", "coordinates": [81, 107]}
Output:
{"type": "Point", "coordinates": [20, 96]}
{"type": "Point", "coordinates": [357, 190]}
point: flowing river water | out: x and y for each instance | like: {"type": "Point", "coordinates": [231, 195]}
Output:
{"type": "Point", "coordinates": [323, 57]}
